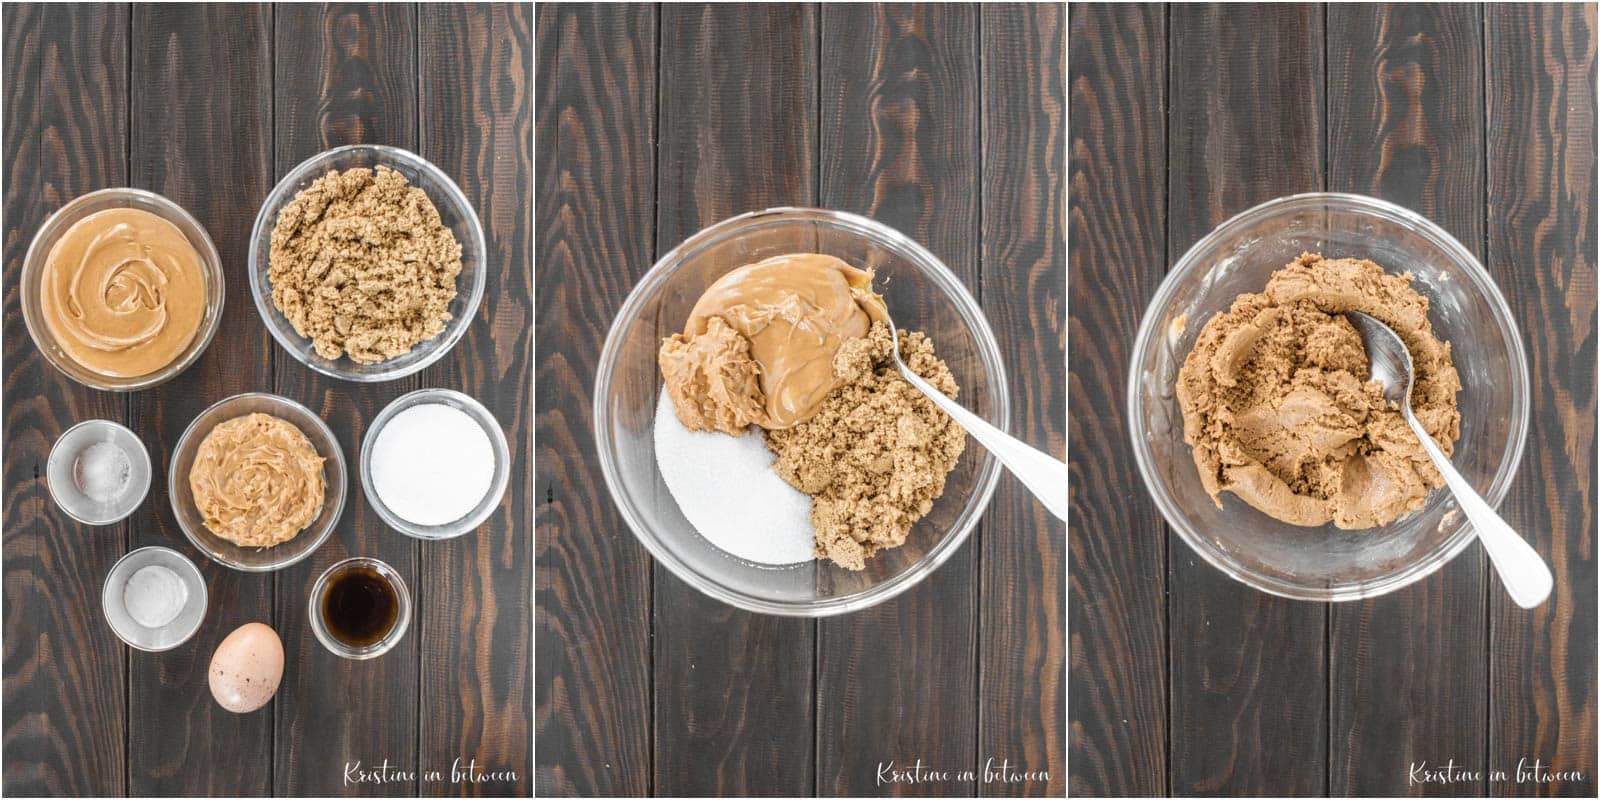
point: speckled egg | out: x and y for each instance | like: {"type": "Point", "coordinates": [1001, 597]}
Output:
{"type": "Point", "coordinates": [246, 668]}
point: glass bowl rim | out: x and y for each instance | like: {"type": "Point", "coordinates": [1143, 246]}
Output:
{"type": "Point", "coordinates": [216, 286]}
{"type": "Point", "coordinates": [498, 484]}
{"type": "Point", "coordinates": [205, 596]}
{"type": "Point", "coordinates": [1509, 333]}
{"type": "Point", "coordinates": [402, 624]}
{"type": "Point", "coordinates": [281, 194]}
{"type": "Point", "coordinates": [144, 456]}
{"type": "Point", "coordinates": [988, 355]}
{"type": "Point", "coordinates": [187, 440]}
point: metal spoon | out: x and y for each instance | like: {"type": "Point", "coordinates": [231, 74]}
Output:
{"type": "Point", "coordinates": [1523, 572]}
{"type": "Point", "coordinates": [1039, 472]}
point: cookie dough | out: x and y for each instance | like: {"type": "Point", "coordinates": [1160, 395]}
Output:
{"type": "Point", "coordinates": [362, 265]}
{"type": "Point", "coordinates": [759, 344]}
{"type": "Point", "coordinates": [257, 480]}
{"type": "Point", "coordinates": [124, 292]}
{"type": "Point", "coordinates": [875, 455]}
{"type": "Point", "coordinates": [1278, 408]}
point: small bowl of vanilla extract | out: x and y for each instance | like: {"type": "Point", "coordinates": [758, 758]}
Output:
{"type": "Point", "coordinates": [360, 608]}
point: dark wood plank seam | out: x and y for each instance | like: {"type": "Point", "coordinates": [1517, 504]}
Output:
{"type": "Point", "coordinates": [1488, 586]}
{"type": "Point", "coordinates": [418, 555]}
{"type": "Point", "coordinates": [127, 416]}
{"type": "Point", "coordinates": [272, 347]}
{"type": "Point", "coordinates": [976, 543]}
{"type": "Point", "coordinates": [649, 571]}
{"type": "Point", "coordinates": [1166, 250]}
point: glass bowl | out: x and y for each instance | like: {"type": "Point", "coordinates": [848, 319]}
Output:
{"type": "Point", "coordinates": [178, 629]}
{"type": "Point", "coordinates": [454, 211]}
{"type": "Point", "coordinates": [497, 486]}
{"type": "Point", "coordinates": [257, 559]}
{"type": "Point", "coordinates": [62, 466]}
{"type": "Point", "coordinates": [51, 232]}
{"type": "Point", "coordinates": [1467, 311]}
{"type": "Point", "coordinates": [922, 294]}
{"type": "Point", "coordinates": [319, 627]}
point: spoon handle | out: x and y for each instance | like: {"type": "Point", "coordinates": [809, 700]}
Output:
{"type": "Point", "coordinates": [1523, 572]}
{"type": "Point", "coordinates": [1043, 475]}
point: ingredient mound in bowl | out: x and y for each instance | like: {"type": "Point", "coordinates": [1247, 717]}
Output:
{"type": "Point", "coordinates": [362, 265]}
{"type": "Point", "coordinates": [798, 347]}
{"type": "Point", "coordinates": [875, 455]}
{"type": "Point", "coordinates": [257, 480]}
{"type": "Point", "coordinates": [1278, 408]}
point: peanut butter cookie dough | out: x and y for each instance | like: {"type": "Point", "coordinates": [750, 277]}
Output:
{"type": "Point", "coordinates": [875, 454]}
{"type": "Point", "coordinates": [362, 265]}
{"type": "Point", "coordinates": [1279, 410]}
{"type": "Point", "coordinates": [257, 480]}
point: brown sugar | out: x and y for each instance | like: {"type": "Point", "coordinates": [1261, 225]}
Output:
{"type": "Point", "coordinates": [875, 455]}
{"type": "Point", "coordinates": [362, 265]}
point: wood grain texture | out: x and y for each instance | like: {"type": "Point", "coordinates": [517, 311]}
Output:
{"type": "Point", "coordinates": [1540, 73]}
{"type": "Point", "coordinates": [344, 74]}
{"type": "Point", "coordinates": [1022, 652]}
{"type": "Point", "coordinates": [899, 142]}
{"type": "Point", "coordinates": [1247, 668]}
{"type": "Point", "coordinates": [66, 134]}
{"type": "Point", "coordinates": [595, 127]}
{"type": "Point", "coordinates": [475, 618]}
{"type": "Point", "coordinates": [1405, 123]}
{"type": "Point", "coordinates": [1117, 686]}
{"type": "Point", "coordinates": [178, 724]}
{"type": "Point", "coordinates": [734, 702]}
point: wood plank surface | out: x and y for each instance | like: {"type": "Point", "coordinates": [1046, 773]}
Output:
{"type": "Point", "coordinates": [475, 614]}
{"type": "Point", "coordinates": [209, 106]}
{"type": "Point", "coordinates": [1540, 74]}
{"type": "Point", "coordinates": [66, 124]}
{"type": "Point", "coordinates": [734, 700]}
{"type": "Point", "coordinates": [595, 119]}
{"type": "Point", "coordinates": [899, 143]}
{"type": "Point", "coordinates": [1247, 668]}
{"type": "Point", "coordinates": [1022, 655]}
{"type": "Point", "coordinates": [177, 726]}
{"type": "Point", "coordinates": [344, 75]}
{"type": "Point", "coordinates": [1405, 123]}
{"type": "Point", "coordinates": [1117, 686]}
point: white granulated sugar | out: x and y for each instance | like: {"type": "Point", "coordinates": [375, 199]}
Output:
{"type": "Point", "coordinates": [432, 464]}
{"type": "Point", "coordinates": [726, 488]}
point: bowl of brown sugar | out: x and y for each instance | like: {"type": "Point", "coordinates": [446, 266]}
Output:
{"type": "Point", "coordinates": [367, 263]}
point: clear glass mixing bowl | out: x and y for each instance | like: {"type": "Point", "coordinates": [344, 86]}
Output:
{"type": "Point", "coordinates": [922, 294]}
{"type": "Point", "coordinates": [70, 214]}
{"type": "Point", "coordinates": [455, 212]}
{"type": "Point", "coordinates": [1467, 311]}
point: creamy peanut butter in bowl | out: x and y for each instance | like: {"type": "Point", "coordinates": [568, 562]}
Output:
{"type": "Point", "coordinates": [257, 482]}
{"type": "Point", "coordinates": [122, 289]}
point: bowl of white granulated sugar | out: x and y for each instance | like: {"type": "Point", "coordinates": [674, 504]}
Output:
{"type": "Point", "coordinates": [435, 464]}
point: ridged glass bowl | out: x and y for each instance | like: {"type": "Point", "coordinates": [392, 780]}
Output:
{"type": "Point", "coordinates": [454, 211]}
{"type": "Point", "coordinates": [1467, 311]}
{"type": "Point", "coordinates": [922, 294]}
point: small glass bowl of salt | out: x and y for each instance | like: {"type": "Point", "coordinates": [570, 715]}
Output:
{"type": "Point", "coordinates": [98, 472]}
{"type": "Point", "coordinates": [434, 464]}
{"type": "Point", "coordinates": [154, 599]}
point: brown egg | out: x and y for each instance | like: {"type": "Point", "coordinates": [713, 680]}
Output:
{"type": "Point", "coordinates": [246, 668]}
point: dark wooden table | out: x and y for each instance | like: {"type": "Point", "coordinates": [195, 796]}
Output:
{"type": "Point", "coordinates": [208, 106]}
{"type": "Point", "coordinates": [1481, 118]}
{"type": "Point", "coordinates": [945, 122]}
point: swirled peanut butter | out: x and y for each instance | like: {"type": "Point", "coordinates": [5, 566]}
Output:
{"type": "Point", "coordinates": [257, 480]}
{"type": "Point", "coordinates": [124, 292]}
{"type": "Point", "coordinates": [759, 344]}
